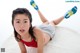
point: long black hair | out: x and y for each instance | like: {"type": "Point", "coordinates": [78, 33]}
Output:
{"type": "Point", "coordinates": [22, 11]}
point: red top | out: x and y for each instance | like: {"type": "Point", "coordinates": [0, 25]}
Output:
{"type": "Point", "coordinates": [33, 43]}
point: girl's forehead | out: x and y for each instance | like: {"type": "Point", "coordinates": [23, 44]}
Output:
{"type": "Point", "coordinates": [21, 16]}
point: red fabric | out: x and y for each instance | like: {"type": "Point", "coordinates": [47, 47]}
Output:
{"type": "Point", "coordinates": [33, 43]}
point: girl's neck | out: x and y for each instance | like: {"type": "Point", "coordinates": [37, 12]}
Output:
{"type": "Point", "coordinates": [27, 37]}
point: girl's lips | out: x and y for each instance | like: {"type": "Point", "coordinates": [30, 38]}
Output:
{"type": "Point", "coordinates": [22, 30]}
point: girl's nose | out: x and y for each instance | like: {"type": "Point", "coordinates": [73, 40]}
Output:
{"type": "Point", "coordinates": [22, 25]}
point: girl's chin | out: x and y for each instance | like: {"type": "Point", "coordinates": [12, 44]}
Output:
{"type": "Point", "coordinates": [21, 34]}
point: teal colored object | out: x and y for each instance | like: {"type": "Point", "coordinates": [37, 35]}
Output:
{"type": "Point", "coordinates": [34, 5]}
{"type": "Point", "coordinates": [71, 12]}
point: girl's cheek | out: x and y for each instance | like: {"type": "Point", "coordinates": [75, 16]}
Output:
{"type": "Point", "coordinates": [16, 27]}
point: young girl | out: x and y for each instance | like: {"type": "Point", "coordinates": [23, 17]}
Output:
{"type": "Point", "coordinates": [37, 37]}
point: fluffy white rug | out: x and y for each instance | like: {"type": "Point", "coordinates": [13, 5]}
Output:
{"type": "Point", "coordinates": [64, 41]}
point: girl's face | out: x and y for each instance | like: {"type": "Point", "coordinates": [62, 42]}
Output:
{"type": "Point", "coordinates": [21, 24]}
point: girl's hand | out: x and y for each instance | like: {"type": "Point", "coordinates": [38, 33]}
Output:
{"type": "Point", "coordinates": [22, 47]}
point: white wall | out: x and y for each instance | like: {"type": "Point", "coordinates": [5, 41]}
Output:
{"type": "Point", "coordinates": [52, 9]}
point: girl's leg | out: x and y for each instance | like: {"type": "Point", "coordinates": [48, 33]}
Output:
{"type": "Point", "coordinates": [43, 19]}
{"type": "Point", "coordinates": [57, 21]}
{"type": "Point", "coordinates": [67, 15]}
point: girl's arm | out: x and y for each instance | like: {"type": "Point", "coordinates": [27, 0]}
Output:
{"type": "Point", "coordinates": [22, 47]}
{"type": "Point", "coordinates": [40, 40]}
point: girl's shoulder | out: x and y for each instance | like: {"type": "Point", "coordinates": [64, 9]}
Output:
{"type": "Point", "coordinates": [36, 30]}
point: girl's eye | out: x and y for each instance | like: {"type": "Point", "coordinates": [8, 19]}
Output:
{"type": "Point", "coordinates": [18, 22]}
{"type": "Point", "coordinates": [25, 21]}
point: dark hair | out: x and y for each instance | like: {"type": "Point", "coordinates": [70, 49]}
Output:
{"type": "Point", "coordinates": [22, 11]}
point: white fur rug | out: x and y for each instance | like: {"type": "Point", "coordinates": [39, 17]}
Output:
{"type": "Point", "coordinates": [64, 41]}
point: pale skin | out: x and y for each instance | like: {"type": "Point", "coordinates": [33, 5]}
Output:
{"type": "Point", "coordinates": [21, 21]}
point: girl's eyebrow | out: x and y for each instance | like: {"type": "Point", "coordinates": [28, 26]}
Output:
{"type": "Point", "coordinates": [25, 19]}
{"type": "Point", "coordinates": [17, 19]}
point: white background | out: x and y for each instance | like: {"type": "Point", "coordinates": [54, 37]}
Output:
{"type": "Point", "coordinates": [51, 9]}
